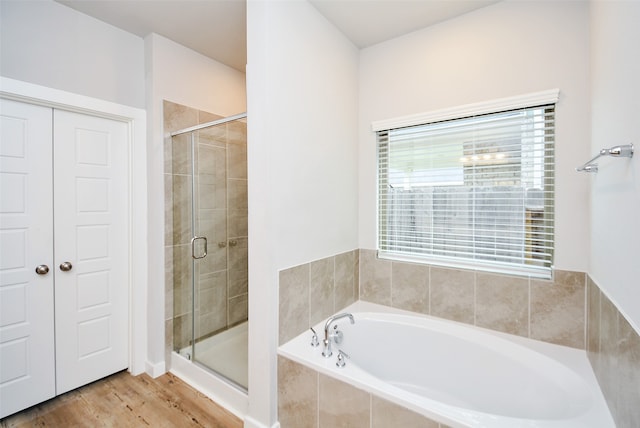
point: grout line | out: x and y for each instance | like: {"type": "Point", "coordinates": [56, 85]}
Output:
{"type": "Point", "coordinates": [333, 288]}
{"type": "Point", "coordinates": [309, 295]}
{"type": "Point", "coordinates": [391, 283]}
{"type": "Point", "coordinates": [475, 298]}
{"type": "Point", "coordinates": [428, 290]}
{"type": "Point", "coordinates": [586, 312]}
{"type": "Point", "coordinates": [529, 307]}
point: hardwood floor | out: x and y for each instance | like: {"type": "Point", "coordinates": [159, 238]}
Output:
{"type": "Point", "coordinates": [122, 400]}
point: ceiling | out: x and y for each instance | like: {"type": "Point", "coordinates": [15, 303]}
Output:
{"type": "Point", "coordinates": [217, 28]}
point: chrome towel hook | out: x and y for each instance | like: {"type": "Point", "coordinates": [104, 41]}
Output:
{"type": "Point", "coordinates": [624, 151]}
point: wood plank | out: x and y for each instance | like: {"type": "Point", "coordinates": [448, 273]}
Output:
{"type": "Point", "coordinates": [122, 400]}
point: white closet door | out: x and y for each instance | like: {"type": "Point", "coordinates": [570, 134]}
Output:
{"type": "Point", "coordinates": [91, 235]}
{"type": "Point", "coordinates": [27, 373]}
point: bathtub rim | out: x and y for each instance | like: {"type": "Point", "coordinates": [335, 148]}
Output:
{"type": "Point", "coordinates": [573, 359]}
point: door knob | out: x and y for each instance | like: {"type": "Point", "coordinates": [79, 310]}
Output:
{"type": "Point", "coordinates": [42, 269]}
{"type": "Point", "coordinates": [66, 266]}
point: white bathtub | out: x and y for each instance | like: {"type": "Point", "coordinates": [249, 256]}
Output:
{"type": "Point", "coordinates": [459, 375]}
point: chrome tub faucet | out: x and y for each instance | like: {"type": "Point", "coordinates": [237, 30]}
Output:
{"type": "Point", "coordinates": [337, 336]}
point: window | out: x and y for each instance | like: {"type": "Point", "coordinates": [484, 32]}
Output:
{"type": "Point", "coordinates": [474, 192]}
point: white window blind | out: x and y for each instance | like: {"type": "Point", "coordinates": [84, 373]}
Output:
{"type": "Point", "coordinates": [474, 192]}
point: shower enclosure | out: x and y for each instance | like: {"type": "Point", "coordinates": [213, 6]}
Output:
{"type": "Point", "coordinates": [210, 263]}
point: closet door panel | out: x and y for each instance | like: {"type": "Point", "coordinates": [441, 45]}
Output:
{"type": "Point", "coordinates": [91, 248]}
{"type": "Point", "coordinates": [27, 374]}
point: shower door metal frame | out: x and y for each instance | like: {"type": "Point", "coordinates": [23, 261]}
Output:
{"type": "Point", "coordinates": [208, 124]}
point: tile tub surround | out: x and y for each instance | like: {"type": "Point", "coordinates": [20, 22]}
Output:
{"type": "Point", "coordinates": [552, 311]}
{"type": "Point", "coordinates": [222, 298]}
{"type": "Point", "coordinates": [613, 348]}
{"type": "Point", "coordinates": [569, 310]}
{"type": "Point", "coordinates": [313, 291]}
{"type": "Point", "coordinates": [309, 399]}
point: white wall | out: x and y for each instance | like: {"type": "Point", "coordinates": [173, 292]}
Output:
{"type": "Point", "coordinates": [615, 189]}
{"type": "Point", "coordinates": [506, 49]}
{"type": "Point", "coordinates": [302, 154]}
{"type": "Point", "coordinates": [183, 76]}
{"type": "Point", "coordinates": [49, 44]}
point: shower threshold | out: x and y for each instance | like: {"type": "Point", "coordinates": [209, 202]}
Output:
{"type": "Point", "coordinates": [226, 354]}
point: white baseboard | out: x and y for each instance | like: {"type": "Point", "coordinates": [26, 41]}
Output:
{"type": "Point", "coordinates": [252, 423]}
{"type": "Point", "coordinates": [155, 370]}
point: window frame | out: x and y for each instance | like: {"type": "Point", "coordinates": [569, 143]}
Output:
{"type": "Point", "coordinates": [536, 99]}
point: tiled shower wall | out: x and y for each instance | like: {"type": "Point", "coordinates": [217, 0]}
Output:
{"type": "Point", "coordinates": [553, 311]}
{"type": "Point", "coordinates": [221, 298]}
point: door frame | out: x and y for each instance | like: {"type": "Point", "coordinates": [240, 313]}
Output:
{"type": "Point", "coordinates": [135, 119]}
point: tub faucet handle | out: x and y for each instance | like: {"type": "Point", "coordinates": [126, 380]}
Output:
{"type": "Point", "coordinates": [314, 338]}
{"type": "Point", "coordinates": [328, 337]}
{"type": "Point", "coordinates": [341, 356]}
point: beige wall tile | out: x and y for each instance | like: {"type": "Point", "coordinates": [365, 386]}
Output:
{"type": "Point", "coordinates": [628, 373]}
{"type": "Point", "coordinates": [168, 282]}
{"type": "Point", "coordinates": [181, 209]}
{"type": "Point", "coordinates": [237, 131]}
{"type": "Point", "coordinates": [168, 209]}
{"type": "Point", "coordinates": [237, 160]}
{"type": "Point", "coordinates": [237, 195]}
{"type": "Point", "coordinates": [213, 136]}
{"type": "Point", "coordinates": [375, 278]}
{"type": "Point", "coordinates": [342, 405]}
{"type": "Point", "coordinates": [346, 279]}
{"type": "Point", "coordinates": [213, 225]}
{"type": "Point", "coordinates": [182, 275]}
{"type": "Point", "coordinates": [558, 309]}
{"type": "Point", "coordinates": [294, 302]}
{"type": "Point", "coordinates": [177, 116]}
{"type": "Point", "coordinates": [502, 303]}
{"type": "Point", "coordinates": [182, 328]}
{"type": "Point", "coordinates": [238, 283]}
{"type": "Point", "coordinates": [212, 193]}
{"type": "Point", "coordinates": [297, 395]}
{"type": "Point", "coordinates": [211, 303]}
{"type": "Point", "coordinates": [608, 378]}
{"type": "Point", "coordinates": [238, 309]}
{"type": "Point", "coordinates": [570, 278]}
{"type": "Point", "coordinates": [212, 162]}
{"type": "Point", "coordinates": [614, 353]}
{"type": "Point", "coordinates": [168, 155]}
{"type": "Point", "coordinates": [452, 294]}
{"type": "Point", "coordinates": [168, 342]}
{"type": "Point", "coordinates": [205, 117]}
{"type": "Point", "coordinates": [181, 155]}
{"type": "Point", "coordinates": [593, 319]}
{"type": "Point", "coordinates": [385, 414]}
{"type": "Point", "coordinates": [410, 287]}
{"type": "Point", "coordinates": [238, 224]}
{"type": "Point", "coordinates": [321, 279]}
{"type": "Point", "coordinates": [238, 266]}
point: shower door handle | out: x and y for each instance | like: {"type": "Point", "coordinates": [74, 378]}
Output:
{"type": "Point", "coordinates": [193, 247]}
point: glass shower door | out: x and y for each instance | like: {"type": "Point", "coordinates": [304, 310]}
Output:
{"type": "Point", "coordinates": [207, 198]}
{"type": "Point", "coordinates": [219, 250]}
